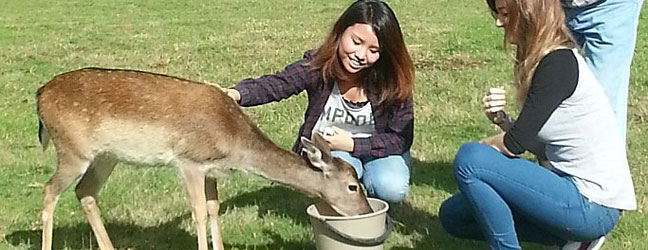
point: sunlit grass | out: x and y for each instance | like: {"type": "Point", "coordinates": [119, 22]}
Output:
{"type": "Point", "coordinates": [456, 49]}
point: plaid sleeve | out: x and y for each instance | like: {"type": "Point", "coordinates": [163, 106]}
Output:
{"type": "Point", "coordinates": [396, 138]}
{"type": "Point", "coordinates": [275, 87]}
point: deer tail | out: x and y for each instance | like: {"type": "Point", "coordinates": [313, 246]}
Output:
{"type": "Point", "coordinates": [43, 135]}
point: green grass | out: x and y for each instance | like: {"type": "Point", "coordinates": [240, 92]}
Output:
{"type": "Point", "coordinates": [456, 48]}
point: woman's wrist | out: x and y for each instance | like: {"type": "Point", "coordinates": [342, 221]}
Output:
{"type": "Point", "coordinates": [502, 120]}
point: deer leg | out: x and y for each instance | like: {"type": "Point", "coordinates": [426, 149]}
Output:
{"type": "Point", "coordinates": [86, 192]}
{"type": "Point", "coordinates": [69, 168]}
{"type": "Point", "coordinates": [213, 205]}
{"type": "Point", "coordinates": [194, 179]}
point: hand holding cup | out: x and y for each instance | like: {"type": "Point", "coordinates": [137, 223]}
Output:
{"type": "Point", "coordinates": [493, 102]}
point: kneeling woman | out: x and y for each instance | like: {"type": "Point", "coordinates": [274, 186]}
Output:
{"type": "Point", "coordinates": [359, 85]}
{"type": "Point", "coordinates": [576, 200]}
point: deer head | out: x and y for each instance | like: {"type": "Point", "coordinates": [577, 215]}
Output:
{"type": "Point", "coordinates": [341, 189]}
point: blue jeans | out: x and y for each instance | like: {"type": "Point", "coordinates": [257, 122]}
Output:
{"type": "Point", "coordinates": [384, 178]}
{"type": "Point", "coordinates": [607, 32]}
{"type": "Point", "coordinates": [504, 199]}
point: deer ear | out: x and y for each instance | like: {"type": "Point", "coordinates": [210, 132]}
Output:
{"type": "Point", "coordinates": [323, 146]}
{"type": "Point", "coordinates": [314, 155]}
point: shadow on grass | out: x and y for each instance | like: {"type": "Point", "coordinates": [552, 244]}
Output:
{"type": "Point", "coordinates": [277, 243]}
{"type": "Point", "coordinates": [276, 199]}
{"type": "Point", "coordinates": [438, 175]}
{"type": "Point", "coordinates": [168, 235]}
{"type": "Point", "coordinates": [426, 230]}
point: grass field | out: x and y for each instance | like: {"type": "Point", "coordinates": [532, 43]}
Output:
{"type": "Point", "coordinates": [456, 48]}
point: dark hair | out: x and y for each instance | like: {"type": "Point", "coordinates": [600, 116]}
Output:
{"type": "Point", "coordinates": [392, 77]}
{"type": "Point", "coordinates": [491, 5]}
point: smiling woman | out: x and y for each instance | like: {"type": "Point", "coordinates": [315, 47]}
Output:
{"type": "Point", "coordinates": [359, 84]}
{"type": "Point", "coordinates": [359, 48]}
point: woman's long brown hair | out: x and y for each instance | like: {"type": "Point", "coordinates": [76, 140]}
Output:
{"type": "Point", "coordinates": [538, 27]}
{"type": "Point", "coordinates": [391, 78]}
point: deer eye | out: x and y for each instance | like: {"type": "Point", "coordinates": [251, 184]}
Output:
{"type": "Point", "coordinates": [353, 188]}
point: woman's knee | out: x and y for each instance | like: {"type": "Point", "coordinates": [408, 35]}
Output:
{"type": "Point", "coordinates": [387, 188]}
{"type": "Point", "coordinates": [389, 191]}
{"type": "Point", "coordinates": [387, 178]}
{"type": "Point", "coordinates": [447, 216]}
{"type": "Point", "coordinates": [472, 152]}
{"type": "Point", "coordinates": [468, 156]}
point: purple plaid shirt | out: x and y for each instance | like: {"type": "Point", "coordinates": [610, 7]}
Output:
{"type": "Point", "coordinates": [394, 124]}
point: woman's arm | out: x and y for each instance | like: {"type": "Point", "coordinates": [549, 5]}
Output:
{"type": "Point", "coordinates": [554, 80]}
{"type": "Point", "coordinates": [497, 142]}
{"type": "Point", "coordinates": [275, 87]}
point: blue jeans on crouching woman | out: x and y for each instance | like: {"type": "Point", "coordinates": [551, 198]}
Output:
{"type": "Point", "coordinates": [384, 178]}
{"type": "Point", "coordinates": [504, 199]}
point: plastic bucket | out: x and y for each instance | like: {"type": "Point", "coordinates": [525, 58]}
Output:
{"type": "Point", "coordinates": [367, 231]}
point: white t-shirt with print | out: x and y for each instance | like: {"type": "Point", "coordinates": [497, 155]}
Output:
{"type": "Point", "coordinates": [358, 121]}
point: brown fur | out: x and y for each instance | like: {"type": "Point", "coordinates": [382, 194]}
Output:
{"type": "Point", "coordinates": [96, 117]}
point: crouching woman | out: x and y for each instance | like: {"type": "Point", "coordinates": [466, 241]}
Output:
{"type": "Point", "coordinates": [575, 201]}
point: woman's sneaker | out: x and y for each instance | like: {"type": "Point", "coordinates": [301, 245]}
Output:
{"type": "Point", "coordinates": [590, 245]}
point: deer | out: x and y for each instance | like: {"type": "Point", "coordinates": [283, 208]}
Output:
{"type": "Point", "coordinates": [97, 117]}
